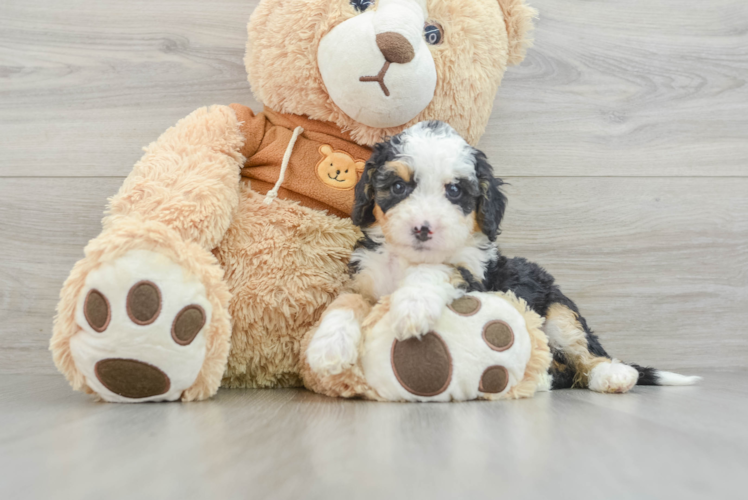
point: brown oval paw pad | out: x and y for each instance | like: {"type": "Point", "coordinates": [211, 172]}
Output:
{"type": "Point", "coordinates": [130, 378]}
{"type": "Point", "coordinates": [97, 311]}
{"type": "Point", "coordinates": [498, 335]}
{"type": "Point", "coordinates": [494, 380]}
{"type": "Point", "coordinates": [466, 306]}
{"type": "Point", "coordinates": [187, 324]}
{"type": "Point", "coordinates": [144, 303]}
{"type": "Point", "coordinates": [422, 366]}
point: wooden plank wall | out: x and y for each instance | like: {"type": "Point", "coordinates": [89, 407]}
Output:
{"type": "Point", "coordinates": [624, 137]}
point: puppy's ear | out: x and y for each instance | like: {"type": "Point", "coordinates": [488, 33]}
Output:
{"type": "Point", "coordinates": [363, 205]}
{"type": "Point", "coordinates": [491, 201]}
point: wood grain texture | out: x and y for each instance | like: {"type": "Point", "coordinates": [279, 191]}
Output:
{"type": "Point", "coordinates": [653, 443]}
{"type": "Point", "coordinates": [642, 87]}
{"type": "Point", "coordinates": [658, 266]}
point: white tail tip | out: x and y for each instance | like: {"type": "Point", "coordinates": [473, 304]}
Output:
{"type": "Point", "coordinates": [670, 378]}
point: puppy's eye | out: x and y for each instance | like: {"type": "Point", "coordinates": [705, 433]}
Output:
{"type": "Point", "coordinates": [434, 33]}
{"type": "Point", "coordinates": [398, 188]}
{"type": "Point", "coordinates": [362, 5]}
{"type": "Point", "coordinates": [453, 191]}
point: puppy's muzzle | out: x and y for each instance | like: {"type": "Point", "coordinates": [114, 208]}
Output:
{"type": "Point", "coordinates": [422, 233]}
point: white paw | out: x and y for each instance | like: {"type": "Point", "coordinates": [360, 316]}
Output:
{"type": "Point", "coordinates": [613, 377]}
{"type": "Point", "coordinates": [334, 347]}
{"type": "Point", "coordinates": [142, 326]}
{"type": "Point", "coordinates": [414, 314]}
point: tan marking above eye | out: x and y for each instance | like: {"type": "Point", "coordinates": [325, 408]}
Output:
{"type": "Point", "coordinates": [403, 170]}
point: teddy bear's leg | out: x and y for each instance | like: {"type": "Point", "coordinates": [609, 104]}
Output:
{"type": "Point", "coordinates": [285, 264]}
{"type": "Point", "coordinates": [144, 316]}
{"type": "Point", "coordinates": [577, 363]}
{"type": "Point", "coordinates": [334, 346]}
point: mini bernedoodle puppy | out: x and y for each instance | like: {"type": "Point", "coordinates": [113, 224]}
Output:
{"type": "Point", "coordinates": [430, 209]}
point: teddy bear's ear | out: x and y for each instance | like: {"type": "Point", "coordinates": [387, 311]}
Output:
{"type": "Point", "coordinates": [518, 18]}
{"type": "Point", "coordinates": [360, 166]}
{"type": "Point", "coordinates": [325, 150]}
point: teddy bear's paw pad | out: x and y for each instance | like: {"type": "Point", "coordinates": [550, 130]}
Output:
{"type": "Point", "coordinates": [97, 311]}
{"type": "Point", "coordinates": [494, 380]}
{"type": "Point", "coordinates": [142, 322]}
{"type": "Point", "coordinates": [143, 303]}
{"type": "Point", "coordinates": [466, 306]}
{"type": "Point", "coordinates": [131, 378]}
{"type": "Point", "coordinates": [423, 366]}
{"type": "Point", "coordinates": [188, 323]}
{"type": "Point", "coordinates": [498, 335]}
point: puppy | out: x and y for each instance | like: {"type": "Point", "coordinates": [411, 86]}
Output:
{"type": "Point", "coordinates": [430, 209]}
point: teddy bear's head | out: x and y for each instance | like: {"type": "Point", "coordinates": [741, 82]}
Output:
{"type": "Point", "coordinates": [375, 67]}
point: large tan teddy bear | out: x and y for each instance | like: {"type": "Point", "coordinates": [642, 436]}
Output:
{"type": "Point", "coordinates": [232, 234]}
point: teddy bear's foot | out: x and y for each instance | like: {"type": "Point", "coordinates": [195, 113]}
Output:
{"type": "Point", "coordinates": [141, 320]}
{"type": "Point", "coordinates": [334, 347]}
{"type": "Point", "coordinates": [613, 377]}
{"type": "Point", "coordinates": [483, 346]}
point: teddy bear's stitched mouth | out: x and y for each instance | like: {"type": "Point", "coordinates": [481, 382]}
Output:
{"type": "Point", "coordinates": [336, 178]}
{"type": "Point", "coordinates": [379, 78]}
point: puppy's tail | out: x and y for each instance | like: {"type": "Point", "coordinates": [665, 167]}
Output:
{"type": "Point", "coordinates": [652, 376]}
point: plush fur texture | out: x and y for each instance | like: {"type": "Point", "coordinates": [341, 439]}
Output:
{"type": "Point", "coordinates": [481, 37]}
{"type": "Point", "coordinates": [285, 263]}
{"type": "Point", "coordinates": [161, 207]}
{"type": "Point", "coordinates": [139, 234]}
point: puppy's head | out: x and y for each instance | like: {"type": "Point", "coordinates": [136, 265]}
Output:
{"type": "Point", "coordinates": [430, 192]}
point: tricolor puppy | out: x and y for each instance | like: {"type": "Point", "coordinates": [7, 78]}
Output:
{"type": "Point", "coordinates": [430, 208]}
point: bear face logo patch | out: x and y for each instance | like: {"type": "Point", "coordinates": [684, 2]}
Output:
{"type": "Point", "coordinates": [337, 169]}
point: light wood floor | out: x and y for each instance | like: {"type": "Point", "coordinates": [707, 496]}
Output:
{"type": "Point", "coordinates": [653, 443]}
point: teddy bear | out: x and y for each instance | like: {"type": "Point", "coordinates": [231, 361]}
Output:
{"type": "Point", "coordinates": [232, 234]}
{"type": "Point", "coordinates": [484, 346]}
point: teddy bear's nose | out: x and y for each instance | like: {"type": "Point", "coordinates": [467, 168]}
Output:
{"type": "Point", "coordinates": [395, 47]}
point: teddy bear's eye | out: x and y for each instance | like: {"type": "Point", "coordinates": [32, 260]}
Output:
{"type": "Point", "coordinates": [362, 5]}
{"type": "Point", "coordinates": [434, 33]}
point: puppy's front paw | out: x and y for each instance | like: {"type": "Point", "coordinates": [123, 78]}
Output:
{"type": "Point", "coordinates": [414, 315]}
{"type": "Point", "coordinates": [334, 347]}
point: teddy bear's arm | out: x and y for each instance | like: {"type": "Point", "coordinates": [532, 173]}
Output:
{"type": "Point", "coordinates": [149, 301]}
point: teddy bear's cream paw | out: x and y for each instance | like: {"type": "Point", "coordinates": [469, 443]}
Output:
{"type": "Point", "coordinates": [478, 349]}
{"type": "Point", "coordinates": [141, 335]}
{"type": "Point", "coordinates": [613, 377]}
{"type": "Point", "coordinates": [334, 347]}
{"type": "Point", "coordinates": [414, 314]}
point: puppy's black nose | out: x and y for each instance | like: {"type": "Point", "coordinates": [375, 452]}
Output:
{"type": "Point", "coordinates": [422, 233]}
